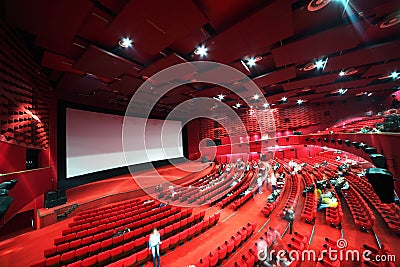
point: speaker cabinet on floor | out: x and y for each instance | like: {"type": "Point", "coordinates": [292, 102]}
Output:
{"type": "Point", "coordinates": [382, 182]}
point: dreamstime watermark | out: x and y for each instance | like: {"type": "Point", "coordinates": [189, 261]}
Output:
{"type": "Point", "coordinates": [332, 254]}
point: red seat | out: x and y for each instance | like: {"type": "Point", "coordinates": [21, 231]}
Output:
{"type": "Point", "coordinates": [91, 261]}
{"type": "Point", "coordinates": [142, 256]}
{"type": "Point", "coordinates": [213, 258]}
{"type": "Point", "coordinates": [128, 236]}
{"type": "Point", "coordinates": [50, 252]}
{"type": "Point", "coordinates": [129, 247]}
{"type": "Point", "coordinates": [173, 241]}
{"type": "Point", "coordinates": [75, 264]}
{"type": "Point", "coordinates": [87, 240]}
{"type": "Point", "coordinates": [81, 253]}
{"type": "Point", "coordinates": [140, 243]}
{"type": "Point", "coordinates": [103, 258]}
{"type": "Point", "coordinates": [62, 248]}
{"type": "Point", "coordinates": [203, 263]}
{"type": "Point", "coordinates": [68, 257]}
{"type": "Point", "coordinates": [116, 253]}
{"type": "Point", "coordinates": [75, 244]}
{"type": "Point", "coordinates": [53, 261]}
{"type": "Point", "coordinates": [94, 248]}
{"type": "Point", "coordinates": [164, 245]}
{"type": "Point", "coordinates": [230, 245]}
{"type": "Point", "coordinates": [39, 263]}
{"type": "Point", "coordinates": [222, 251]}
{"type": "Point", "coordinates": [183, 236]}
{"type": "Point", "coordinates": [117, 240]}
{"type": "Point", "coordinates": [129, 261]}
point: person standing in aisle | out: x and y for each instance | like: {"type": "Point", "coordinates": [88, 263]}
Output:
{"type": "Point", "coordinates": [154, 246]}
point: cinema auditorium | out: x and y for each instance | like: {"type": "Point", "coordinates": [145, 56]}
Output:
{"type": "Point", "coordinates": [199, 133]}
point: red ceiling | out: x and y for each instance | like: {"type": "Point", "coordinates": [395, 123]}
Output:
{"type": "Point", "coordinates": [79, 37]}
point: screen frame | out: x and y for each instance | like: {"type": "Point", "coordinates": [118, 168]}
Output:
{"type": "Point", "coordinates": [65, 183]}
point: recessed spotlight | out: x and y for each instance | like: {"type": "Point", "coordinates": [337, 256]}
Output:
{"type": "Point", "coordinates": [266, 105]}
{"type": "Point", "coordinates": [251, 62]}
{"type": "Point", "coordinates": [201, 51]}
{"type": "Point", "coordinates": [238, 105]}
{"type": "Point", "coordinates": [342, 73]}
{"type": "Point", "coordinates": [369, 94]}
{"type": "Point", "coordinates": [320, 64]}
{"type": "Point", "coordinates": [342, 91]}
{"type": "Point", "coordinates": [300, 101]}
{"type": "Point", "coordinates": [394, 75]}
{"type": "Point", "coordinates": [284, 99]}
{"type": "Point", "coordinates": [125, 42]}
{"type": "Point", "coordinates": [256, 97]}
{"type": "Point", "coordinates": [221, 96]}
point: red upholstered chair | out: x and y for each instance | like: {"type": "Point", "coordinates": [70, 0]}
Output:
{"type": "Point", "coordinates": [140, 243]}
{"type": "Point", "coordinates": [199, 227]}
{"type": "Point", "coordinates": [81, 253]}
{"type": "Point", "coordinates": [203, 263]}
{"type": "Point", "coordinates": [211, 221]}
{"type": "Point", "coordinates": [230, 245]}
{"type": "Point", "coordinates": [237, 240]}
{"type": "Point", "coordinates": [62, 248]}
{"type": "Point", "coordinates": [75, 244]}
{"type": "Point", "coordinates": [103, 258]}
{"type": "Point", "coordinates": [129, 247]}
{"type": "Point", "coordinates": [87, 240]}
{"type": "Point", "coordinates": [106, 244]}
{"type": "Point", "coordinates": [53, 261]}
{"type": "Point", "coordinates": [75, 264]}
{"type": "Point", "coordinates": [183, 236]}
{"type": "Point", "coordinates": [68, 257]}
{"type": "Point", "coordinates": [173, 241]}
{"type": "Point", "coordinates": [50, 252]}
{"type": "Point", "coordinates": [213, 258]}
{"type": "Point", "coordinates": [191, 232]}
{"type": "Point", "coordinates": [222, 251]}
{"type": "Point", "coordinates": [142, 256]}
{"type": "Point", "coordinates": [94, 248]}
{"type": "Point", "coordinates": [129, 261]}
{"type": "Point", "coordinates": [116, 253]}
{"type": "Point", "coordinates": [91, 261]}
{"type": "Point", "coordinates": [164, 245]}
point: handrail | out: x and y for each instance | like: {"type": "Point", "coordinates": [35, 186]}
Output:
{"type": "Point", "coordinates": [18, 172]}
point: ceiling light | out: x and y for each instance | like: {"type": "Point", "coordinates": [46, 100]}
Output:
{"type": "Point", "coordinates": [320, 64]}
{"type": "Point", "coordinates": [369, 94]}
{"type": "Point", "coordinates": [256, 97]}
{"type": "Point", "coordinates": [125, 42]}
{"type": "Point", "coordinates": [300, 101]}
{"type": "Point", "coordinates": [221, 96]}
{"type": "Point", "coordinates": [390, 20]}
{"type": "Point", "coordinates": [238, 105]}
{"type": "Point", "coordinates": [342, 91]}
{"type": "Point", "coordinates": [342, 73]}
{"type": "Point", "coordinates": [394, 75]}
{"type": "Point", "coordinates": [201, 51]}
{"type": "Point", "coordinates": [251, 62]}
{"type": "Point", "coordinates": [284, 99]}
{"type": "Point", "coordinates": [266, 105]}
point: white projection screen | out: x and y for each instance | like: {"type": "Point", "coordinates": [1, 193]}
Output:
{"type": "Point", "coordinates": [94, 141]}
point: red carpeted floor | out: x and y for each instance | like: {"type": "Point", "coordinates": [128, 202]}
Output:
{"type": "Point", "coordinates": [26, 248]}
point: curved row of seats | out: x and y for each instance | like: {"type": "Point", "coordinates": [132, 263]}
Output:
{"type": "Point", "coordinates": [309, 211]}
{"type": "Point", "coordinates": [362, 214]}
{"type": "Point", "coordinates": [389, 212]}
{"type": "Point", "coordinates": [238, 189]}
{"type": "Point", "coordinates": [107, 209]}
{"type": "Point", "coordinates": [376, 253]}
{"type": "Point", "coordinates": [223, 251]}
{"type": "Point", "coordinates": [170, 243]}
{"type": "Point", "coordinates": [270, 206]}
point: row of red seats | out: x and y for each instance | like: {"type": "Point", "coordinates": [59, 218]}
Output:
{"type": "Point", "coordinates": [223, 251]}
{"type": "Point", "coordinates": [334, 216]}
{"type": "Point", "coordinates": [362, 214]}
{"type": "Point", "coordinates": [143, 256]}
{"type": "Point", "coordinates": [309, 212]}
{"type": "Point", "coordinates": [105, 237]}
{"type": "Point", "coordinates": [116, 247]}
{"type": "Point", "coordinates": [239, 202]}
{"type": "Point", "coordinates": [384, 255]}
{"type": "Point", "coordinates": [110, 208]}
{"type": "Point", "coordinates": [389, 212]}
{"type": "Point", "coordinates": [99, 215]}
{"type": "Point", "coordinates": [270, 206]}
{"type": "Point", "coordinates": [244, 184]}
{"type": "Point", "coordinates": [118, 219]}
{"type": "Point", "coordinates": [134, 222]}
{"type": "Point", "coordinates": [325, 259]}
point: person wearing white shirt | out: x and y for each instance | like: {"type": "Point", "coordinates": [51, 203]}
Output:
{"type": "Point", "coordinates": [273, 182]}
{"type": "Point", "coordinates": [259, 183]}
{"type": "Point", "coordinates": [154, 246]}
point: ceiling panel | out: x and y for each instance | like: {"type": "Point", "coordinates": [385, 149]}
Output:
{"type": "Point", "coordinates": [276, 77]}
{"type": "Point", "coordinates": [346, 84]}
{"type": "Point", "coordinates": [126, 85]}
{"type": "Point", "coordinates": [322, 79]}
{"type": "Point", "coordinates": [161, 64]}
{"type": "Point", "coordinates": [317, 46]}
{"type": "Point", "coordinates": [102, 63]}
{"type": "Point", "coordinates": [382, 69]}
{"type": "Point", "coordinates": [269, 25]}
{"type": "Point", "coordinates": [364, 56]}
{"type": "Point", "coordinates": [154, 25]}
{"type": "Point", "coordinates": [77, 83]}
{"type": "Point", "coordinates": [58, 62]}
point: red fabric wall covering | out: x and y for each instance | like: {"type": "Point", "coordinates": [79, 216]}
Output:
{"type": "Point", "coordinates": [24, 99]}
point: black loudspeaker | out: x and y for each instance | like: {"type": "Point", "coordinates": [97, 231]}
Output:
{"type": "Point", "coordinates": [379, 160]}
{"type": "Point", "coordinates": [50, 196]}
{"type": "Point", "coordinates": [5, 202]}
{"type": "Point", "coordinates": [382, 182]}
{"type": "Point", "coordinates": [61, 193]}
{"type": "Point", "coordinates": [370, 150]}
{"type": "Point", "coordinates": [347, 142]}
{"type": "Point", "coordinates": [339, 141]}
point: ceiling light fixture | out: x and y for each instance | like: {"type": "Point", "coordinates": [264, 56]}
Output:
{"type": "Point", "coordinates": [369, 94]}
{"type": "Point", "coordinates": [251, 62]}
{"type": "Point", "coordinates": [125, 42]}
{"type": "Point", "coordinates": [201, 51]}
{"type": "Point", "coordinates": [394, 75]}
{"type": "Point", "coordinates": [300, 101]}
{"type": "Point", "coordinates": [238, 105]}
{"type": "Point", "coordinates": [256, 97]}
{"type": "Point", "coordinates": [221, 97]}
{"type": "Point", "coordinates": [266, 105]}
{"type": "Point", "coordinates": [342, 73]}
{"type": "Point", "coordinates": [342, 91]}
{"type": "Point", "coordinates": [320, 64]}
{"type": "Point", "coordinates": [284, 99]}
